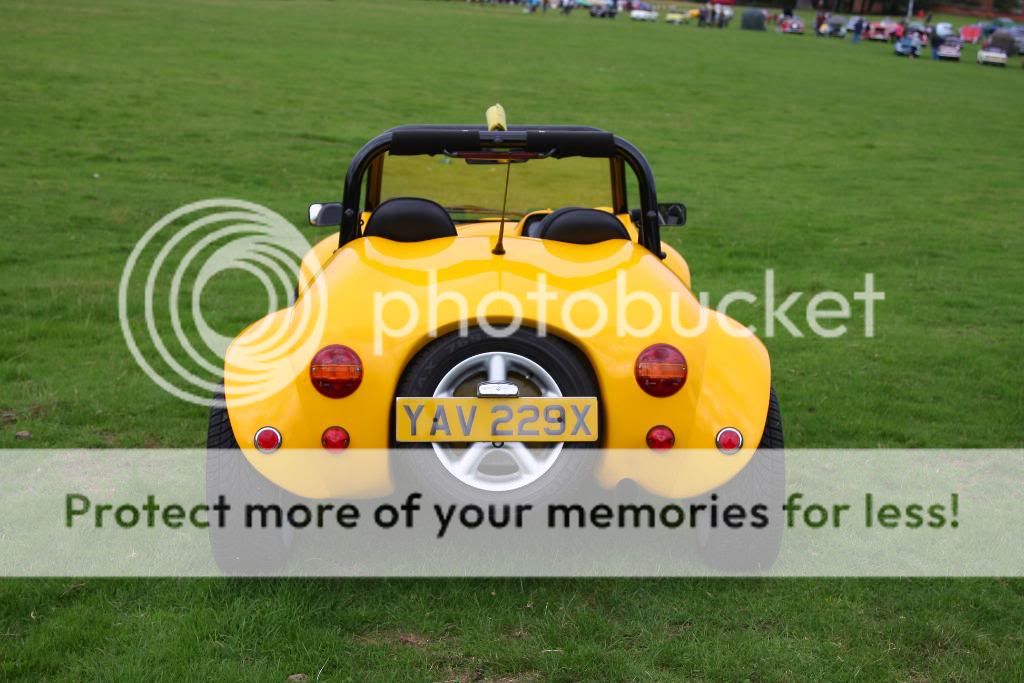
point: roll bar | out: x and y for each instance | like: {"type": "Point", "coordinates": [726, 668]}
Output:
{"type": "Point", "coordinates": [526, 142]}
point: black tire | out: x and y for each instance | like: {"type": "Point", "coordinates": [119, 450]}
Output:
{"type": "Point", "coordinates": [566, 365]}
{"type": "Point", "coordinates": [239, 550]}
{"type": "Point", "coordinates": [762, 481]}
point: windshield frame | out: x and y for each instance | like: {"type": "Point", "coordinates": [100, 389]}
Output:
{"type": "Point", "coordinates": [475, 190]}
{"type": "Point", "coordinates": [541, 141]}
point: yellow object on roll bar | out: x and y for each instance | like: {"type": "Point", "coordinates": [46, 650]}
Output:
{"type": "Point", "coordinates": [496, 118]}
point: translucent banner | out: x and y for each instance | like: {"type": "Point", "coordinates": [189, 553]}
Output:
{"type": "Point", "coordinates": [191, 513]}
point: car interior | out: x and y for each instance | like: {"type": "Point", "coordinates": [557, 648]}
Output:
{"type": "Point", "coordinates": [414, 219]}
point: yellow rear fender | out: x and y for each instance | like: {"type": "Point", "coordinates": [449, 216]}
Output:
{"type": "Point", "coordinates": [313, 262]}
{"type": "Point", "coordinates": [675, 262]}
{"type": "Point", "coordinates": [322, 251]}
{"type": "Point", "coordinates": [387, 300]}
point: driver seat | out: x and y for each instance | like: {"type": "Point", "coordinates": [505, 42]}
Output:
{"type": "Point", "coordinates": [410, 219]}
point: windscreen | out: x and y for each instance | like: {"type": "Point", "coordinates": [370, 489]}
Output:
{"type": "Point", "coordinates": [474, 192]}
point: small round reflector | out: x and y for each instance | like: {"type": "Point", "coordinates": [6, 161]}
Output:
{"type": "Point", "coordinates": [336, 371]}
{"type": "Point", "coordinates": [660, 370]}
{"type": "Point", "coordinates": [334, 439]}
{"type": "Point", "coordinates": [729, 440]}
{"type": "Point", "coordinates": [660, 438]}
{"type": "Point", "coordinates": [267, 440]}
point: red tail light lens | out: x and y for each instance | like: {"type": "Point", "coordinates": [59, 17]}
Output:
{"type": "Point", "coordinates": [660, 438]}
{"type": "Point", "coordinates": [334, 439]}
{"type": "Point", "coordinates": [729, 440]}
{"type": "Point", "coordinates": [267, 440]}
{"type": "Point", "coordinates": [336, 371]}
{"type": "Point", "coordinates": [660, 370]}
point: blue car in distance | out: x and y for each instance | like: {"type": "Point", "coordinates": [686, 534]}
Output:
{"type": "Point", "coordinates": [907, 47]}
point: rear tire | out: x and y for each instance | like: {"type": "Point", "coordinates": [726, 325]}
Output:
{"type": "Point", "coordinates": [762, 481]}
{"type": "Point", "coordinates": [239, 550]}
{"type": "Point", "coordinates": [563, 362]}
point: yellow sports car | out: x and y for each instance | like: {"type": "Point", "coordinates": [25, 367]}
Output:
{"type": "Point", "coordinates": [497, 297]}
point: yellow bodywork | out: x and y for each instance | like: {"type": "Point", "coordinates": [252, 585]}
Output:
{"type": "Point", "coordinates": [727, 385]}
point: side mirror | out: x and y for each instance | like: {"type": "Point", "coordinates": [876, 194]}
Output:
{"type": "Point", "coordinates": [325, 215]}
{"type": "Point", "coordinates": [673, 214]}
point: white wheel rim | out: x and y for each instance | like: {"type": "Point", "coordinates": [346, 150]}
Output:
{"type": "Point", "coordinates": [483, 465]}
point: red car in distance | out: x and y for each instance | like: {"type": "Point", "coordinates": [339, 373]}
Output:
{"type": "Point", "coordinates": [884, 30]}
{"type": "Point", "coordinates": [971, 33]}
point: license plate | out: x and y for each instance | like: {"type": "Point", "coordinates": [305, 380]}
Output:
{"type": "Point", "coordinates": [488, 419]}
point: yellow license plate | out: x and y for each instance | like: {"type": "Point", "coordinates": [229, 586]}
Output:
{"type": "Point", "coordinates": [494, 419]}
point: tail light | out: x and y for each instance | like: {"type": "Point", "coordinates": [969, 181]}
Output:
{"type": "Point", "coordinates": [267, 440]}
{"type": "Point", "coordinates": [729, 440]}
{"type": "Point", "coordinates": [660, 438]}
{"type": "Point", "coordinates": [336, 371]}
{"type": "Point", "coordinates": [335, 439]}
{"type": "Point", "coordinates": [660, 370]}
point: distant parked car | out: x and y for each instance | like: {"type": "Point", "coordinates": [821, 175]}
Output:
{"type": "Point", "coordinates": [923, 32]}
{"type": "Point", "coordinates": [950, 48]}
{"type": "Point", "coordinates": [1005, 40]}
{"type": "Point", "coordinates": [603, 10]}
{"type": "Point", "coordinates": [643, 12]}
{"type": "Point", "coordinates": [945, 29]}
{"type": "Point", "coordinates": [991, 27]}
{"type": "Point", "coordinates": [992, 55]}
{"type": "Point", "coordinates": [905, 47]}
{"type": "Point", "coordinates": [836, 27]}
{"type": "Point", "coordinates": [1018, 38]}
{"type": "Point", "coordinates": [676, 16]}
{"type": "Point", "coordinates": [851, 23]}
{"type": "Point", "coordinates": [971, 33]}
{"type": "Point", "coordinates": [793, 24]}
{"type": "Point", "coordinates": [752, 20]}
{"type": "Point", "coordinates": [884, 30]}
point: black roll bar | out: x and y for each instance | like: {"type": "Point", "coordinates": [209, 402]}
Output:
{"type": "Point", "coordinates": [543, 141]}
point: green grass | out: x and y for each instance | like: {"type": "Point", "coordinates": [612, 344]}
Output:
{"type": "Point", "coordinates": [820, 159]}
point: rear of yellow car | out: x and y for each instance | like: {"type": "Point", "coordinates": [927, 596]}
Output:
{"type": "Point", "coordinates": [669, 382]}
{"type": "Point", "coordinates": [496, 309]}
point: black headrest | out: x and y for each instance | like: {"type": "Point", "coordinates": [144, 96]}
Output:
{"type": "Point", "coordinates": [409, 219]}
{"type": "Point", "coordinates": [581, 226]}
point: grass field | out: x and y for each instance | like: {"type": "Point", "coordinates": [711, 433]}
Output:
{"type": "Point", "coordinates": [819, 159]}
